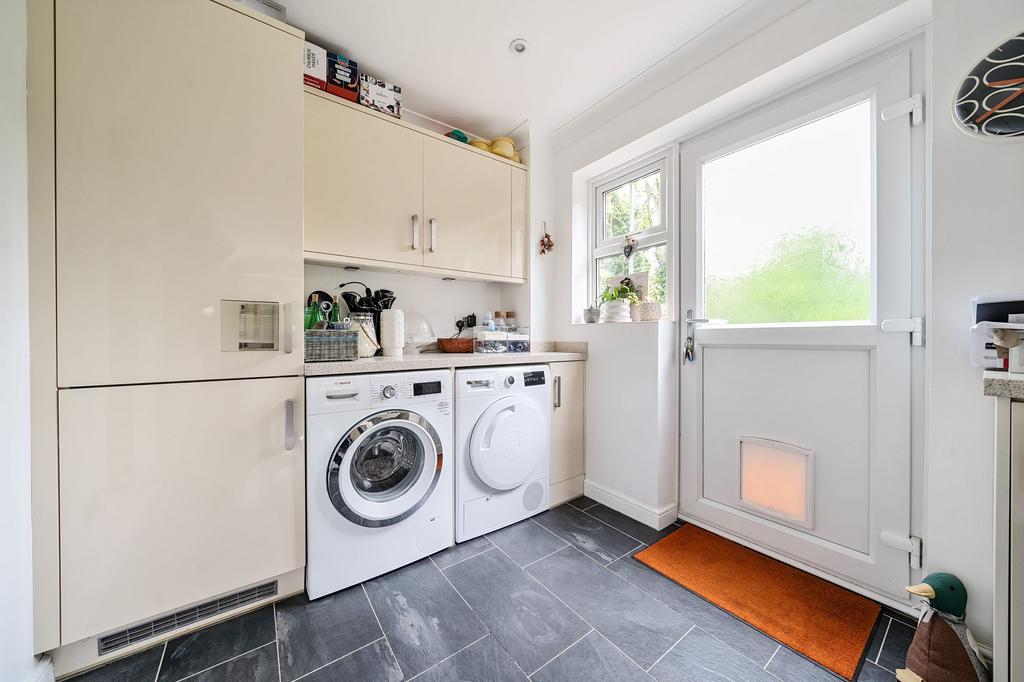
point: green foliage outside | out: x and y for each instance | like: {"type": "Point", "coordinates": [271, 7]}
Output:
{"type": "Point", "coordinates": [815, 275]}
{"type": "Point", "coordinates": [629, 209]}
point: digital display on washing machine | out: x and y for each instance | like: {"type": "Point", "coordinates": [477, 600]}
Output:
{"type": "Point", "coordinates": [533, 378]}
{"type": "Point", "coordinates": [426, 388]}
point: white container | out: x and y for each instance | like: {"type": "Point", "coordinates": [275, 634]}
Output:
{"type": "Point", "coordinates": [392, 332]}
{"type": "Point", "coordinates": [616, 311]}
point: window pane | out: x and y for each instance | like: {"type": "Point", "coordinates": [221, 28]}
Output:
{"type": "Point", "coordinates": [787, 225]}
{"type": "Point", "coordinates": [633, 207]}
{"type": "Point", "coordinates": [648, 268]}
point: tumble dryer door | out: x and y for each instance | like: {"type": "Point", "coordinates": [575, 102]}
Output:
{"type": "Point", "coordinates": [385, 468]}
{"type": "Point", "coordinates": [507, 443]}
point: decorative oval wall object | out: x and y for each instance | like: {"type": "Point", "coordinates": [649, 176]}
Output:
{"type": "Point", "coordinates": [990, 101]}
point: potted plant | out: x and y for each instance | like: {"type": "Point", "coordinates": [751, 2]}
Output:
{"type": "Point", "coordinates": [644, 310]}
{"type": "Point", "coordinates": [617, 299]}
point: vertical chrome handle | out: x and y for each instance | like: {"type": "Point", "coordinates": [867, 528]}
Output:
{"type": "Point", "coordinates": [289, 424]}
{"type": "Point", "coordinates": [416, 233]}
{"type": "Point", "coordinates": [433, 235]}
{"type": "Point", "coordinates": [688, 345]}
{"type": "Point", "coordinates": [288, 328]}
{"type": "Point", "coordinates": [558, 392]}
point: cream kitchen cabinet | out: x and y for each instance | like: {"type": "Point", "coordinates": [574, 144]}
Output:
{"type": "Point", "coordinates": [568, 465]}
{"type": "Point", "coordinates": [382, 193]}
{"type": "Point", "coordinates": [174, 493]}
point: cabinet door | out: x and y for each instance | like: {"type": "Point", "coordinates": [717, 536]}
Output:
{"type": "Point", "coordinates": [364, 184]}
{"type": "Point", "coordinates": [520, 224]}
{"type": "Point", "coordinates": [175, 493]}
{"type": "Point", "coordinates": [469, 198]}
{"type": "Point", "coordinates": [567, 425]}
{"type": "Point", "coordinates": [179, 185]}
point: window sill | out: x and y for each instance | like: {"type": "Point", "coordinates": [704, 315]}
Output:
{"type": "Point", "coordinates": [578, 323]}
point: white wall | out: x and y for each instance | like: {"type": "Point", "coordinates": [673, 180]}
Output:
{"type": "Point", "coordinates": [16, 661]}
{"type": "Point", "coordinates": [977, 246]}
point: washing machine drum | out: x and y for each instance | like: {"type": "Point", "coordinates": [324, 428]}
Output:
{"type": "Point", "coordinates": [507, 443]}
{"type": "Point", "coordinates": [384, 468]}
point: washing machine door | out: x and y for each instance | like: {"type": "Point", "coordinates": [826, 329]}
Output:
{"type": "Point", "coordinates": [507, 442]}
{"type": "Point", "coordinates": [384, 468]}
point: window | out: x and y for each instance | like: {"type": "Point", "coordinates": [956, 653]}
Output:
{"type": "Point", "coordinates": [631, 204]}
{"type": "Point", "coordinates": [787, 225]}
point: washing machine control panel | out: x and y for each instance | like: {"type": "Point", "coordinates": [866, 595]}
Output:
{"type": "Point", "coordinates": [386, 389]}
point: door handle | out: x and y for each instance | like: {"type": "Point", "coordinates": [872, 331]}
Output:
{"type": "Point", "coordinates": [416, 233]}
{"type": "Point", "coordinates": [910, 325]}
{"type": "Point", "coordinates": [433, 235]}
{"type": "Point", "coordinates": [342, 396]}
{"type": "Point", "coordinates": [289, 424]}
{"type": "Point", "coordinates": [691, 323]}
{"type": "Point", "coordinates": [480, 383]}
{"type": "Point", "coordinates": [288, 328]}
{"type": "Point", "coordinates": [558, 392]}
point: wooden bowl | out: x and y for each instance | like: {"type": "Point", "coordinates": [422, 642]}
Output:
{"type": "Point", "coordinates": [455, 345]}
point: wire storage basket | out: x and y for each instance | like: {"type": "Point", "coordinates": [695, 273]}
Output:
{"type": "Point", "coordinates": [331, 345]}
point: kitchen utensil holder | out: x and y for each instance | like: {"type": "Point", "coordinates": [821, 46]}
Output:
{"type": "Point", "coordinates": [331, 345]}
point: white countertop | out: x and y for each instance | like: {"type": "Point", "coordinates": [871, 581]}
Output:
{"type": "Point", "coordinates": [438, 361]}
{"type": "Point", "coordinates": [1004, 385]}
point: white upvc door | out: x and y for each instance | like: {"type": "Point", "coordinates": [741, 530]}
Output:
{"type": "Point", "coordinates": [795, 426]}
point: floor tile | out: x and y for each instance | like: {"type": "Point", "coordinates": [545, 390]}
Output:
{"type": "Point", "coordinates": [900, 616]}
{"type": "Point", "coordinates": [582, 502]}
{"type": "Point", "coordinates": [872, 673]}
{"type": "Point", "coordinates": [636, 623]}
{"type": "Point", "coordinates": [526, 541]}
{"type": "Point", "coordinates": [592, 659]}
{"type": "Point", "coordinates": [140, 666]}
{"type": "Point", "coordinates": [208, 647]}
{"type": "Point", "coordinates": [525, 619]}
{"type": "Point", "coordinates": [595, 539]}
{"type": "Point", "coordinates": [372, 663]}
{"type": "Point", "coordinates": [699, 657]}
{"type": "Point", "coordinates": [877, 636]}
{"type": "Point", "coordinates": [791, 666]}
{"type": "Point", "coordinates": [461, 552]}
{"type": "Point", "coordinates": [256, 666]}
{"type": "Point", "coordinates": [749, 641]}
{"type": "Point", "coordinates": [424, 618]}
{"type": "Point", "coordinates": [484, 660]}
{"type": "Point", "coordinates": [314, 633]}
{"type": "Point", "coordinates": [894, 650]}
{"type": "Point", "coordinates": [631, 527]}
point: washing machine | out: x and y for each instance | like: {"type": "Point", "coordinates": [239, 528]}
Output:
{"type": "Point", "coordinates": [502, 447]}
{"type": "Point", "coordinates": [379, 474]}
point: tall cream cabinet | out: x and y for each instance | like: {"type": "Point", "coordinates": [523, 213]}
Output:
{"type": "Point", "coordinates": [179, 185]}
{"type": "Point", "coordinates": [172, 494]}
{"type": "Point", "coordinates": [568, 381]}
{"type": "Point", "coordinates": [382, 193]}
{"type": "Point", "coordinates": [178, 196]}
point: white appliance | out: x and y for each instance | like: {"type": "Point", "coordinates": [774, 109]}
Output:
{"type": "Point", "coordinates": [503, 447]}
{"type": "Point", "coordinates": [378, 474]}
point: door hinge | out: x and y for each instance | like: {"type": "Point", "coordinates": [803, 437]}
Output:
{"type": "Point", "coordinates": [911, 545]}
{"type": "Point", "coordinates": [912, 105]}
{"type": "Point", "coordinates": [912, 325]}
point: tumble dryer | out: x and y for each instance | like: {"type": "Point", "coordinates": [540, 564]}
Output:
{"type": "Point", "coordinates": [502, 447]}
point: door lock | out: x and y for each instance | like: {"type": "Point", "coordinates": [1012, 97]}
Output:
{"type": "Point", "coordinates": [691, 323]}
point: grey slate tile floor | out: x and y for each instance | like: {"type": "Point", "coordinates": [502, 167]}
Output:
{"type": "Point", "coordinates": [555, 598]}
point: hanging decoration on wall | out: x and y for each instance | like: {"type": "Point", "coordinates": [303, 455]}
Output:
{"type": "Point", "coordinates": [629, 248]}
{"type": "Point", "coordinates": [990, 101]}
{"type": "Point", "coordinates": [546, 242]}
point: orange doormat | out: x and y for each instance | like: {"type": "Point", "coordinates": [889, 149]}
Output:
{"type": "Point", "coordinates": [824, 622]}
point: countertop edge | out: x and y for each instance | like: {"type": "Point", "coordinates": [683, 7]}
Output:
{"type": "Point", "coordinates": [1004, 385]}
{"type": "Point", "coordinates": [436, 361]}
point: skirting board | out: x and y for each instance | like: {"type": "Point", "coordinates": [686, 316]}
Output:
{"type": "Point", "coordinates": [634, 509]}
{"type": "Point", "coordinates": [566, 490]}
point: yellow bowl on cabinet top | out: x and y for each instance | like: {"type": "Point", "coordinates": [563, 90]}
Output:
{"type": "Point", "coordinates": [503, 149]}
{"type": "Point", "coordinates": [481, 144]}
{"type": "Point", "coordinates": [504, 139]}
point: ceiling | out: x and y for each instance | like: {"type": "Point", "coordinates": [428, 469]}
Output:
{"type": "Point", "coordinates": [452, 61]}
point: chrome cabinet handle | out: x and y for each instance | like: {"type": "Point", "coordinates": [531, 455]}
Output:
{"type": "Point", "coordinates": [558, 392]}
{"type": "Point", "coordinates": [288, 328]}
{"type": "Point", "coordinates": [433, 235]}
{"type": "Point", "coordinates": [415, 233]}
{"type": "Point", "coordinates": [289, 424]}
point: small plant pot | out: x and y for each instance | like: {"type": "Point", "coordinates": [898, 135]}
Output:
{"type": "Point", "coordinates": [591, 315]}
{"type": "Point", "coordinates": [616, 311]}
{"type": "Point", "coordinates": [645, 311]}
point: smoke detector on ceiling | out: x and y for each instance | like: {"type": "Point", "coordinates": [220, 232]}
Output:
{"type": "Point", "coordinates": [517, 46]}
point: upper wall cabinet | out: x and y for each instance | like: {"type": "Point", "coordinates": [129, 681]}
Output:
{"type": "Point", "coordinates": [382, 193]}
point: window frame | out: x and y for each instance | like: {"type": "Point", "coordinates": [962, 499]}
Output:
{"type": "Point", "coordinates": [601, 247]}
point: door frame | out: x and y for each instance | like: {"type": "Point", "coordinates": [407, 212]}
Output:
{"type": "Point", "coordinates": [690, 481]}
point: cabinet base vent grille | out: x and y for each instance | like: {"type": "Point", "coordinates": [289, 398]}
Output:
{"type": "Point", "coordinates": [179, 619]}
